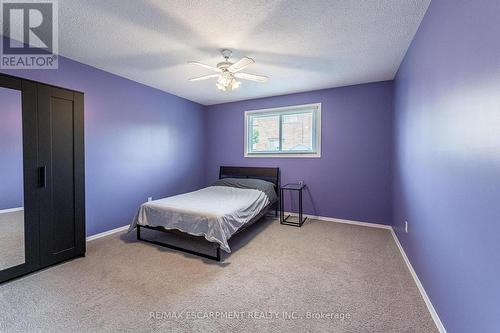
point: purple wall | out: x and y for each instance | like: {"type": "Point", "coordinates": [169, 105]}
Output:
{"type": "Point", "coordinates": [139, 141]}
{"type": "Point", "coordinates": [447, 161]}
{"type": "Point", "coordinates": [352, 179]}
{"type": "Point", "coordinates": [11, 149]}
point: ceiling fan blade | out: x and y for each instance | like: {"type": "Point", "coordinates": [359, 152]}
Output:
{"type": "Point", "coordinates": [204, 77]}
{"type": "Point", "coordinates": [240, 64]}
{"type": "Point", "coordinates": [215, 69]}
{"type": "Point", "coordinates": [251, 77]}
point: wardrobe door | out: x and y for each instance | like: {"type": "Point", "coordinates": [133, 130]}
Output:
{"type": "Point", "coordinates": [18, 178]}
{"type": "Point", "coordinates": [61, 163]}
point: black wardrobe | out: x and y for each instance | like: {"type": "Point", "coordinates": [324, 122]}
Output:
{"type": "Point", "coordinates": [48, 222]}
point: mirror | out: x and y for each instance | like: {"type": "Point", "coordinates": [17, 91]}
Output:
{"type": "Point", "coordinates": [12, 247]}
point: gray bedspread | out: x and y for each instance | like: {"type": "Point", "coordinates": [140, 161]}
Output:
{"type": "Point", "coordinates": [215, 212]}
{"type": "Point", "coordinates": [250, 183]}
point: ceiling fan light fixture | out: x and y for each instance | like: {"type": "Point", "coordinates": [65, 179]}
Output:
{"type": "Point", "coordinates": [225, 79]}
{"type": "Point", "coordinates": [227, 84]}
{"type": "Point", "coordinates": [235, 84]}
{"type": "Point", "coordinates": [220, 86]}
{"type": "Point", "coordinates": [228, 72]}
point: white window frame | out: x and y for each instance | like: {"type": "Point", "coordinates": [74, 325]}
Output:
{"type": "Point", "coordinates": [286, 110]}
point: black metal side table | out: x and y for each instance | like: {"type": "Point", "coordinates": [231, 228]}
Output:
{"type": "Point", "coordinates": [284, 220]}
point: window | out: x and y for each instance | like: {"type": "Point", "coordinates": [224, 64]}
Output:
{"type": "Point", "coordinates": [292, 131]}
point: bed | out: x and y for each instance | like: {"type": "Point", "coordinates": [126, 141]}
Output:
{"type": "Point", "coordinates": [214, 214]}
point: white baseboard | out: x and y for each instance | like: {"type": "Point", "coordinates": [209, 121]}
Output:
{"type": "Point", "coordinates": [107, 233]}
{"type": "Point", "coordinates": [332, 219]}
{"type": "Point", "coordinates": [428, 303]}
{"type": "Point", "coordinates": [420, 287]}
{"type": "Point", "coordinates": [11, 210]}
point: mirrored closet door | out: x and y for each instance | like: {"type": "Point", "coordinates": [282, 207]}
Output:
{"type": "Point", "coordinates": [11, 180]}
{"type": "Point", "coordinates": [18, 204]}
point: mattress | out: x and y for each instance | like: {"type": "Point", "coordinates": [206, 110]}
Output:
{"type": "Point", "coordinates": [214, 212]}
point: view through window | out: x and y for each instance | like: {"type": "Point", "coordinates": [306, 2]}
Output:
{"type": "Point", "coordinates": [288, 131]}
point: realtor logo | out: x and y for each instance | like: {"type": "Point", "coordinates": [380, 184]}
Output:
{"type": "Point", "coordinates": [30, 34]}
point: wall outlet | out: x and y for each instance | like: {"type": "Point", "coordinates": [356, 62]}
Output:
{"type": "Point", "coordinates": [150, 198]}
{"type": "Point", "coordinates": [406, 226]}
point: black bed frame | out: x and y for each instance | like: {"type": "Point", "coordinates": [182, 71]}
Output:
{"type": "Point", "coordinates": [271, 175]}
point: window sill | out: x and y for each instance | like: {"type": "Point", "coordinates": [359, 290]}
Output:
{"type": "Point", "coordinates": [299, 155]}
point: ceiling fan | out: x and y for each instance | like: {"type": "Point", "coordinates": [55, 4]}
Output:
{"type": "Point", "coordinates": [228, 72]}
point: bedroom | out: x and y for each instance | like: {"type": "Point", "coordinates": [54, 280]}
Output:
{"type": "Point", "coordinates": [378, 120]}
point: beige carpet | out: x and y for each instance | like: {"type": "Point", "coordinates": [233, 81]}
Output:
{"type": "Point", "coordinates": [11, 239]}
{"type": "Point", "coordinates": [352, 276]}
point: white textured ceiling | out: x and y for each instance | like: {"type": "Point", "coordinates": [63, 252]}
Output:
{"type": "Point", "coordinates": [301, 45]}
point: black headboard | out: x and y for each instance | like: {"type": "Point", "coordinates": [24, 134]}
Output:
{"type": "Point", "coordinates": [271, 175]}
